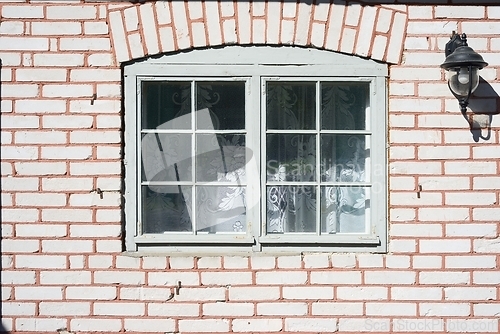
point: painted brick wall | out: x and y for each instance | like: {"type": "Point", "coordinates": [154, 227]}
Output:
{"type": "Point", "coordinates": [62, 261]}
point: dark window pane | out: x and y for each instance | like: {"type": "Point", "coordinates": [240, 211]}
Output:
{"type": "Point", "coordinates": [166, 105]}
{"type": "Point", "coordinates": [291, 105]}
{"type": "Point", "coordinates": [291, 157]}
{"type": "Point", "coordinates": [166, 209]}
{"type": "Point", "coordinates": [225, 102]}
{"type": "Point", "coordinates": [343, 105]}
{"type": "Point", "coordinates": [344, 209]}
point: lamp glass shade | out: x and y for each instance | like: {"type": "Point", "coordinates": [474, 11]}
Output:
{"type": "Point", "coordinates": [460, 80]}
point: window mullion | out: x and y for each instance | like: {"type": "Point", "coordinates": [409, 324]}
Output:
{"type": "Point", "coordinates": [318, 158]}
{"type": "Point", "coordinates": [193, 157]}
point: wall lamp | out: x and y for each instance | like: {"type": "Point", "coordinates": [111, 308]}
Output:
{"type": "Point", "coordinates": [463, 65]}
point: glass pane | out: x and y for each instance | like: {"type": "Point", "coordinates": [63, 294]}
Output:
{"type": "Point", "coordinates": [166, 105]}
{"type": "Point", "coordinates": [220, 209]}
{"type": "Point", "coordinates": [344, 158]}
{"type": "Point", "coordinates": [224, 103]}
{"type": "Point", "coordinates": [220, 158]}
{"type": "Point", "coordinates": [291, 157]}
{"type": "Point", "coordinates": [344, 209]}
{"type": "Point", "coordinates": [291, 105]}
{"type": "Point", "coordinates": [166, 157]}
{"type": "Point", "coordinates": [343, 105]}
{"type": "Point", "coordinates": [166, 209]}
{"type": "Point", "coordinates": [291, 209]}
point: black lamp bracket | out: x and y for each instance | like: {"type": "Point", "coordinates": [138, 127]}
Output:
{"type": "Point", "coordinates": [455, 41]}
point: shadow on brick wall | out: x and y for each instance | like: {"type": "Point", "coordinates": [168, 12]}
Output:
{"type": "Point", "coordinates": [483, 105]}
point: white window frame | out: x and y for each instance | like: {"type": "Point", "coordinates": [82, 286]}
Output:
{"type": "Point", "coordinates": [255, 65]}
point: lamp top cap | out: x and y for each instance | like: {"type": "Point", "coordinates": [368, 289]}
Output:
{"type": "Point", "coordinates": [459, 54]}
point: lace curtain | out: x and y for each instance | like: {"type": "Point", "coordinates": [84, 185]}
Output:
{"type": "Point", "coordinates": [291, 158]}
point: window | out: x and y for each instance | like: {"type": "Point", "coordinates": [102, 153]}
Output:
{"type": "Point", "coordinates": [255, 149]}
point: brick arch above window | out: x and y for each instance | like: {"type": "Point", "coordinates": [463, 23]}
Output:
{"type": "Point", "coordinates": [375, 32]}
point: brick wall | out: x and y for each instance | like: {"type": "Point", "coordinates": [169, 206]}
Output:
{"type": "Point", "coordinates": [62, 261]}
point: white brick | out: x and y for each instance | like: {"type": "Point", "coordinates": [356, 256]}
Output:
{"type": "Point", "coordinates": [412, 198]}
{"type": "Point", "coordinates": [99, 106]}
{"type": "Point", "coordinates": [335, 277]}
{"type": "Point", "coordinates": [95, 324]}
{"type": "Point", "coordinates": [19, 215]}
{"type": "Point", "coordinates": [184, 262]}
{"type": "Point", "coordinates": [66, 184]}
{"type": "Point", "coordinates": [109, 246]}
{"type": "Point", "coordinates": [445, 246]}
{"type": "Point", "coordinates": [420, 136]}
{"type": "Point", "coordinates": [253, 293]}
{"type": "Point", "coordinates": [263, 262]}
{"type": "Point", "coordinates": [281, 308]}
{"type": "Point", "coordinates": [18, 277]}
{"type": "Point", "coordinates": [427, 262]}
{"type": "Point", "coordinates": [204, 325]}
{"type": "Point", "coordinates": [41, 261]}
{"type": "Point", "coordinates": [397, 261]}
{"type": "Point", "coordinates": [67, 90]}
{"type": "Point", "coordinates": [389, 277]}
{"type": "Point", "coordinates": [212, 262]}
{"type": "Point", "coordinates": [37, 75]}
{"type": "Point", "coordinates": [11, 28]}
{"type": "Point", "coordinates": [310, 325]}
{"type": "Point", "coordinates": [108, 215]}
{"type": "Point", "coordinates": [100, 261]}
{"type": "Point", "coordinates": [108, 90]}
{"type": "Point", "coordinates": [337, 308]}
{"type": "Point", "coordinates": [171, 278]}
{"type": "Point", "coordinates": [65, 277]}
{"type": "Point", "coordinates": [443, 152]}
{"type": "Point", "coordinates": [486, 277]}
{"type": "Point", "coordinates": [38, 293]}
{"type": "Point", "coordinates": [24, 44]}
{"type": "Point", "coordinates": [228, 309]}
{"type": "Point", "coordinates": [470, 261]}
{"type": "Point", "coordinates": [308, 292]}
{"type": "Point", "coordinates": [443, 214]}
{"type": "Point", "coordinates": [20, 246]}
{"type": "Point", "coordinates": [67, 215]}
{"type": "Point", "coordinates": [365, 324]}
{"type": "Point", "coordinates": [19, 152]}
{"type": "Point", "coordinates": [67, 246]}
{"type": "Point", "coordinates": [64, 308]}
{"type": "Point", "coordinates": [466, 167]}
{"type": "Point", "coordinates": [204, 294]}
{"type": "Point", "coordinates": [410, 293]}
{"type": "Point", "coordinates": [391, 309]}
{"type": "Point", "coordinates": [257, 325]}
{"type": "Point", "coordinates": [422, 325]}
{"type": "Point", "coordinates": [226, 278]}
{"type": "Point", "coordinates": [281, 277]}
{"type": "Point", "coordinates": [444, 182]}
{"type": "Point", "coordinates": [67, 152]}
{"type": "Point", "coordinates": [487, 245]}
{"type": "Point", "coordinates": [445, 309]}
{"type": "Point", "coordinates": [40, 106]}
{"type": "Point", "coordinates": [119, 309]}
{"type": "Point", "coordinates": [362, 293]}
{"type": "Point", "coordinates": [472, 325]}
{"type": "Point", "coordinates": [39, 324]}
{"type": "Point", "coordinates": [40, 199]}
{"type": "Point", "coordinates": [121, 277]}
{"type": "Point", "coordinates": [91, 292]}
{"type": "Point", "coordinates": [95, 75]}
{"type": "Point", "coordinates": [418, 168]}
{"type": "Point", "coordinates": [370, 260]}
{"type": "Point", "coordinates": [85, 44]}
{"type": "Point", "coordinates": [22, 11]}
{"type": "Point", "coordinates": [58, 60]}
{"type": "Point", "coordinates": [236, 262]}
{"type": "Point", "coordinates": [56, 28]}
{"type": "Point", "coordinates": [471, 230]}
{"type": "Point", "coordinates": [71, 12]}
{"type": "Point", "coordinates": [435, 277]}
{"type": "Point", "coordinates": [95, 168]}
{"type": "Point", "coordinates": [40, 137]}
{"type": "Point", "coordinates": [17, 308]}
{"type": "Point", "coordinates": [150, 262]}
{"type": "Point", "coordinates": [101, 231]}
{"type": "Point", "coordinates": [415, 105]}
{"type": "Point", "coordinates": [316, 261]}
{"type": "Point", "coordinates": [100, 59]}
{"type": "Point", "coordinates": [289, 262]}
{"type": "Point", "coordinates": [173, 310]}
{"type": "Point", "coordinates": [109, 152]}
{"type": "Point", "coordinates": [67, 122]}
{"type": "Point", "coordinates": [128, 262]}
{"type": "Point", "coordinates": [416, 230]}
{"type": "Point", "coordinates": [18, 90]}
{"type": "Point", "coordinates": [486, 310]}
{"type": "Point", "coordinates": [150, 325]}
{"type": "Point", "coordinates": [469, 293]}
{"type": "Point", "coordinates": [93, 199]}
